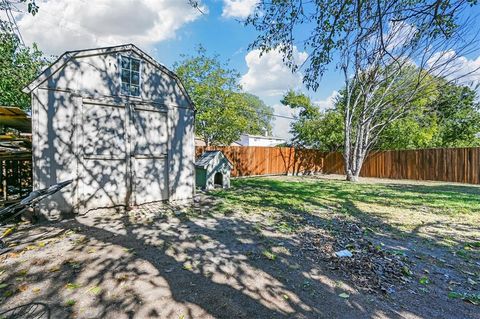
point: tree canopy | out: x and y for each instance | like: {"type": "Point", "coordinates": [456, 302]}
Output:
{"type": "Point", "coordinates": [19, 65]}
{"type": "Point", "coordinates": [260, 115]}
{"type": "Point", "coordinates": [322, 27]}
{"type": "Point", "coordinates": [446, 116]}
{"type": "Point", "coordinates": [386, 50]}
{"type": "Point", "coordinates": [224, 112]}
{"type": "Point", "coordinates": [311, 127]}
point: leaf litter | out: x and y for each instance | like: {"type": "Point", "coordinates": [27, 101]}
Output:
{"type": "Point", "coordinates": [370, 267]}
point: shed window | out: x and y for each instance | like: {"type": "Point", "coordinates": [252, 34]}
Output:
{"type": "Point", "coordinates": [130, 76]}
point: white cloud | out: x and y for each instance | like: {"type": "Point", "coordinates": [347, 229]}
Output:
{"type": "Point", "coordinates": [281, 125]}
{"type": "Point", "coordinates": [62, 25]}
{"type": "Point", "coordinates": [399, 35]}
{"type": "Point", "coordinates": [268, 75]}
{"type": "Point", "coordinates": [238, 8]}
{"type": "Point", "coordinates": [455, 68]}
{"type": "Point", "coordinates": [328, 103]}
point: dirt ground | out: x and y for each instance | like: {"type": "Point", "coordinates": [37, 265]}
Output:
{"type": "Point", "coordinates": [163, 262]}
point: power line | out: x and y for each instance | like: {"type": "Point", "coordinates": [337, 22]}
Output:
{"type": "Point", "coordinates": [12, 21]}
{"type": "Point", "coordinates": [83, 28]}
{"type": "Point", "coordinates": [257, 112]}
{"type": "Point", "coordinates": [61, 22]}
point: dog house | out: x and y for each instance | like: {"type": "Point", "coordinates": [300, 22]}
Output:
{"type": "Point", "coordinates": [212, 169]}
{"type": "Point", "coordinates": [118, 123]}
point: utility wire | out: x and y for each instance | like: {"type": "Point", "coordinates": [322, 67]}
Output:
{"type": "Point", "coordinates": [12, 21]}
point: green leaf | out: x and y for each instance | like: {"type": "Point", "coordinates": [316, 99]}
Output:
{"type": "Point", "coordinates": [406, 271]}
{"type": "Point", "coordinates": [344, 295]}
{"type": "Point", "coordinates": [470, 297]}
{"type": "Point", "coordinates": [269, 255]}
{"type": "Point", "coordinates": [70, 303]}
{"type": "Point", "coordinates": [474, 244]}
{"type": "Point", "coordinates": [454, 295]}
{"type": "Point", "coordinates": [95, 290]}
{"type": "Point", "coordinates": [72, 286]}
{"type": "Point", "coordinates": [424, 281]}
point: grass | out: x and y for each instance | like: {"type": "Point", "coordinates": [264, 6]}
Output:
{"type": "Point", "coordinates": [445, 214]}
{"type": "Point", "coordinates": [449, 199]}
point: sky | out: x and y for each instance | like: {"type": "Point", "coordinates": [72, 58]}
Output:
{"type": "Point", "coordinates": [168, 28]}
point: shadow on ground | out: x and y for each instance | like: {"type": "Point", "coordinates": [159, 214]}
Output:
{"type": "Point", "coordinates": [209, 261]}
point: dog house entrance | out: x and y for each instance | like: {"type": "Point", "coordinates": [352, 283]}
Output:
{"type": "Point", "coordinates": [218, 179]}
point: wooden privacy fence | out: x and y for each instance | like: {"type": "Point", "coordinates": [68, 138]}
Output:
{"type": "Point", "coordinates": [253, 161]}
{"type": "Point", "coordinates": [461, 165]}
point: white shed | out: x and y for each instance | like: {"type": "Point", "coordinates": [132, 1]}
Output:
{"type": "Point", "coordinates": [118, 123]}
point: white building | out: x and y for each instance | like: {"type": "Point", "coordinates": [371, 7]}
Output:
{"type": "Point", "coordinates": [116, 122]}
{"type": "Point", "coordinates": [259, 140]}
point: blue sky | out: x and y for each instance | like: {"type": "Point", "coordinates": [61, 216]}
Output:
{"type": "Point", "coordinates": [168, 28]}
{"type": "Point", "coordinates": [230, 38]}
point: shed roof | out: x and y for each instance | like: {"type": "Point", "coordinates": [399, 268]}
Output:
{"type": "Point", "coordinates": [16, 118]}
{"type": "Point", "coordinates": [69, 55]}
{"type": "Point", "coordinates": [208, 156]}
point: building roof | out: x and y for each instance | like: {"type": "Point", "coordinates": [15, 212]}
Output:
{"type": "Point", "coordinates": [265, 137]}
{"type": "Point", "coordinates": [69, 55]}
{"type": "Point", "coordinates": [16, 118]}
{"type": "Point", "coordinates": [208, 156]}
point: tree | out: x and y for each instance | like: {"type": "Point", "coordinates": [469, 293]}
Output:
{"type": "Point", "coordinates": [303, 128]}
{"type": "Point", "coordinates": [445, 115]}
{"type": "Point", "coordinates": [260, 115]}
{"type": "Point", "coordinates": [458, 112]}
{"type": "Point", "coordinates": [311, 127]}
{"type": "Point", "coordinates": [32, 6]}
{"type": "Point", "coordinates": [223, 111]}
{"type": "Point", "coordinates": [19, 65]}
{"type": "Point", "coordinates": [331, 130]}
{"type": "Point", "coordinates": [419, 129]}
{"type": "Point", "coordinates": [376, 44]}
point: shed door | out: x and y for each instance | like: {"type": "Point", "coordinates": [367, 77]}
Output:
{"type": "Point", "coordinates": [149, 154]}
{"type": "Point", "coordinates": [103, 166]}
{"type": "Point", "coordinates": [123, 157]}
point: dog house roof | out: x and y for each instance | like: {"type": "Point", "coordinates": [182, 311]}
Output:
{"type": "Point", "coordinates": [209, 156]}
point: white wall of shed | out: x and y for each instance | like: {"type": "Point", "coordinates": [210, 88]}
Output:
{"type": "Point", "coordinates": [55, 149]}
{"type": "Point", "coordinates": [56, 124]}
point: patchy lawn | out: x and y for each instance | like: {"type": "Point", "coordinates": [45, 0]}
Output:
{"type": "Point", "coordinates": [443, 214]}
{"type": "Point", "coordinates": [263, 249]}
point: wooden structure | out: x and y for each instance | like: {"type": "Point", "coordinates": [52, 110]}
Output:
{"type": "Point", "coordinates": [15, 154]}
{"type": "Point", "coordinates": [257, 160]}
{"type": "Point", "coordinates": [117, 123]}
{"type": "Point", "coordinates": [15, 175]}
{"type": "Point", "coordinates": [459, 165]}
{"type": "Point", "coordinates": [212, 169]}
{"type": "Point", "coordinates": [14, 117]}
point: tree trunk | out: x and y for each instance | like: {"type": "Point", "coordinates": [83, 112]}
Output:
{"type": "Point", "coordinates": [351, 177]}
{"type": "Point", "coordinates": [353, 164]}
